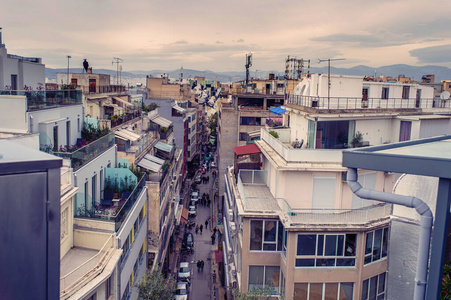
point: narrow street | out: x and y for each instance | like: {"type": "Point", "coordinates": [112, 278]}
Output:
{"type": "Point", "coordinates": [201, 281]}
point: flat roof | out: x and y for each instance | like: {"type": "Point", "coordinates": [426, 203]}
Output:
{"type": "Point", "coordinates": [428, 157]}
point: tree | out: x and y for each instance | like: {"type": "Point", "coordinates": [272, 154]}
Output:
{"type": "Point", "coordinates": [260, 293]}
{"type": "Point", "coordinates": [154, 286]}
{"type": "Point", "coordinates": [274, 134]}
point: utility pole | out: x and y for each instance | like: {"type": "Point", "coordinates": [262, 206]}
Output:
{"type": "Point", "coordinates": [117, 60]}
{"type": "Point", "coordinates": [328, 76]}
{"type": "Point", "coordinates": [68, 57]}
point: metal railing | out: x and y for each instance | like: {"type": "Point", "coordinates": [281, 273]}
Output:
{"type": "Point", "coordinates": [336, 216]}
{"type": "Point", "coordinates": [44, 99]}
{"type": "Point", "coordinates": [359, 102]}
{"type": "Point", "coordinates": [83, 155]}
{"type": "Point", "coordinates": [81, 273]}
{"type": "Point", "coordinates": [291, 154]}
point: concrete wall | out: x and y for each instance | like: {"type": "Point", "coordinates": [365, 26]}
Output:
{"type": "Point", "coordinates": [376, 131]}
{"type": "Point", "coordinates": [160, 88]}
{"type": "Point", "coordinates": [299, 128]}
{"type": "Point", "coordinates": [435, 127]}
{"type": "Point", "coordinates": [44, 121]}
{"type": "Point", "coordinates": [87, 171]}
{"type": "Point", "coordinates": [67, 242]}
{"type": "Point", "coordinates": [15, 120]}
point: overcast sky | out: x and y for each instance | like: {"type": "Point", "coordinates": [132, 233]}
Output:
{"type": "Point", "coordinates": [215, 34]}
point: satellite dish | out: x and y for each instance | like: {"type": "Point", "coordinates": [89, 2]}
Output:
{"type": "Point", "coordinates": [445, 95]}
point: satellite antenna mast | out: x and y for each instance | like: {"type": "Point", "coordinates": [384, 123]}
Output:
{"type": "Point", "coordinates": [328, 75]}
{"type": "Point", "coordinates": [248, 65]}
{"type": "Point", "coordinates": [117, 60]}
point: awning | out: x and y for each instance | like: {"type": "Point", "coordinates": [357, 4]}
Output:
{"type": "Point", "coordinates": [110, 105]}
{"type": "Point", "coordinates": [178, 108]}
{"type": "Point", "coordinates": [254, 134]}
{"type": "Point", "coordinates": [160, 120]}
{"type": "Point", "coordinates": [149, 165]}
{"type": "Point", "coordinates": [127, 134]}
{"type": "Point", "coordinates": [178, 217]}
{"type": "Point", "coordinates": [248, 149]}
{"type": "Point", "coordinates": [122, 101]}
{"type": "Point", "coordinates": [164, 147]}
{"type": "Point", "coordinates": [154, 159]}
{"type": "Point", "coordinates": [184, 218]}
{"type": "Point", "coordinates": [280, 110]}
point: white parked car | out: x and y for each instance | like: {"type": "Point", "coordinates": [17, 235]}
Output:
{"type": "Point", "coordinates": [213, 164]}
{"type": "Point", "coordinates": [181, 292]}
{"type": "Point", "coordinates": [192, 212]}
{"type": "Point", "coordinates": [184, 273]}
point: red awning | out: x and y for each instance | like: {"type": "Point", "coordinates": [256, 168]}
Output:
{"type": "Point", "coordinates": [184, 217]}
{"type": "Point", "coordinates": [248, 149]}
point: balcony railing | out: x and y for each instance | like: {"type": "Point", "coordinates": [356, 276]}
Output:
{"type": "Point", "coordinates": [283, 147]}
{"type": "Point", "coordinates": [83, 273]}
{"type": "Point", "coordinates": [85, 154]}
{"type": "Point", "coordinates": [86, 208]}
{"type": "Point", "coordinates": [263, 202]}
{"type": "Point", "coordinates": [359, 103]}
{"type": "Point", "coordinates": [37, 100]}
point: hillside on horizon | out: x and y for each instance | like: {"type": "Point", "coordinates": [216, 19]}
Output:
{"type": "Point", "coordinates": [441, 73]}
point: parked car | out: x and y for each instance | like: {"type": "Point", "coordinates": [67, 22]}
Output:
{"type": "Point", "coordinates": [198, 179]}
{"type": "Point", "coordinates": [192, 212]}
{"type": "Point", "coordinates": [181, 292]}
{"type": "Point", "coordinates": [213, 164]}
{"type": "Point", "coordinates": [188, 240]}
{"type": "Point", "coordinates": [203, 170]}
{"type": "Point", "coordinates": [192, 203]}
{"type": "Point", "coordinates": [184, 273]}
{"type": "Point", "coordinates": [195, 194]}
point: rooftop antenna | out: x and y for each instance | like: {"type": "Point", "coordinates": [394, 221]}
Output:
{"type": "Point", "coordinates": [248, 65]}
{"type": "Point", "coordinates": [181, 74]}
{"type": "Point", "coordinates": [117, 60]}
{"type": "Point", "coordinates": [328, 75]}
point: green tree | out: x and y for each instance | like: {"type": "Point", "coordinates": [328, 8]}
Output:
{"type": "Point", "coordinates": [274, 134]}
{"type": "Point", "coordinates": [261, 293]}
{"type": "Point", "coordinates": [154, 286]}
{"type": "Point", "coordinates": [357, 140]}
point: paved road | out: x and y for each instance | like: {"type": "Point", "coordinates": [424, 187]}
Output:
{"type": "Point", "coordinates": [201, 281]}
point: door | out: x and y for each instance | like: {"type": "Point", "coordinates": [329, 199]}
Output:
{"type": "Point", "coordinates": [55, 138]}
{"type": "Point", "coordinates": [404, 131]}
{"type": "Point", "coordinates": [92, 85]}
{"type": "Point", "coordinates": [14, 82]}
{"type": "Point", "coordinates": [365, 97]}
{"type": "Point", "coordinates": [68, 133]}
{"type": "Point", "coordinates": [418, 98]}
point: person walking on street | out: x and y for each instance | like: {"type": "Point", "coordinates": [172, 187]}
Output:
{"type": "Point", "coordinates": [202, 266]}
{"type": "Point", "coordinates": [213, 239]}
{"type": "Point", "coordinates": [214, 231]}
{"type": "Point", "coordinates": [206, 224]}
{"type": "Point", "coordinates": [201, 227]}
{"type": "Point", "coordinates": [197, 228]}
{"type": "Point", "coordinates": [198, 266]}
{"type": "Point", "coordinates": [208, 203]}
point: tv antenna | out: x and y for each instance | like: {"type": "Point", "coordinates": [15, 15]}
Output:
{"type": "Point", "coordinates": [328, 75]}
{"type": "Point", "coordinates": [117, 60]}
{"type": "Point", "coordinates": [248, 65]}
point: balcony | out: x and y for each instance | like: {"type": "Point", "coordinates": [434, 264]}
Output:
{"type": "Point", "coordinates": [81, 265]}
{"type": "Point", "coordinates": [85, 154]}
{"type": "Point", "coordinates": [324, 103]}
{"type": "Point", "coordinates": [85, 207]}
{"type": "Point", "coordinates": [288, 150]}
{"type": "Point", "coordinates": [256, 198]}
{"type": "Point", "coordinates": [37, 100]}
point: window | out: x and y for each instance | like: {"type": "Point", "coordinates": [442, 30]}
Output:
{"type": "Point", "coordinates": [374, 287]}
{"type": "Point", "coordinates": [250, 121]}
{"type": "Point", "coordinates": [266, 235]}
{"type": "Point", "coordinates": [78, 124]}
{"type": "Point", "coordinates": [376, 245]}
{"type": "Point", "coordinates": [108, 285]}
{"type": "Point", "coordinates": [405, 92]}
{"type": "Point", "coordinates": [329, 291]}
{"type": "Point", "coordinates": [55, 138]}
{"type": "Point", "coordinates": [125, 248]}
{"type": "Point", "coordinates": [68, 133]}
{"type": "Point", "coordinates": [93, 297]}
{"type": "Point", "coordinates": [93, 186]}
{"type": "Point", "coordinates": [136, 225]}
{"type": "Point", "coordinates": [367, 180]}
{"type": "Point", "coordinates": [64, 223]}
{"type": "Point", "coordinates": [385, 93]}
{"type": "Point", "coordinates": [243, 136]}
{"type": "Point", "coordinates": [326, 250]}
{"type": "Point", "coordinates": [261, 277]}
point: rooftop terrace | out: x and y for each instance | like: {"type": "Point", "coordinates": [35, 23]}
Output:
{"type": "Point", "coordinates": [45, 99]}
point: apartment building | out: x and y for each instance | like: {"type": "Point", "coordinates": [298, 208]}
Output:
{"type": "Point", "coordinates": [162, 88]}
{"type": "Point", "coordinates": [19, 72]}
{"type": "Point", "coordinates": [292, 224]}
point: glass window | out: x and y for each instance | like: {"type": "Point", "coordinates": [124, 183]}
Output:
{"type": "Point", "coordinates": [385, 91]}
{"type": "Point", "coordinates": [326, 250]}
{"type": "Point", "coordinates": [243, 136]}
{"type": "Point", "coordinates": [374, 287]}
{"type": "Point", "coordinates": [256, 234]}
{"type": "Point", "coordinates": [376, 245]}
{"type": "Point", "coordinates": [324, 291]}
{"type": "Point", "coordinates": [265, 276]}
{"type": "Point", "coordinates": [256, 277]}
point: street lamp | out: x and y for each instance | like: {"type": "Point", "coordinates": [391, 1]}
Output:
{"type": "Point", "coordinates": [68, 57]}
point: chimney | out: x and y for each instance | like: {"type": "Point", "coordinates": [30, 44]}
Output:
{"type": "Point", "coordinates": [271, 76]}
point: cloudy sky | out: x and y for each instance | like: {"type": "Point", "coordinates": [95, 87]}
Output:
{"type": "Point", "coordinates": [216, 34]}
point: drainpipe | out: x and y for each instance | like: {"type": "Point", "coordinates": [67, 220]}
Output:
{"type": "Point", "coordinates": [425, 225]}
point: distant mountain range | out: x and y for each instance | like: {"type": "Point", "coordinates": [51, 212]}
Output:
{"type": "Point", "coordinates": [441, 73]}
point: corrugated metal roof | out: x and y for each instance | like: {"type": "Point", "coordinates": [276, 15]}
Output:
{"type": "Point", "coordinates": [160, 120]}
{"type": "Point", "coordinates": [154, 159]}
{"type": "Point", "coordinates": [178, 108]}
{"type": "Point", "coordinates": [163, 146]}
{"type": "Point", "coordinates": [248, 149]}
{"type": "Point", "coordinates": [127, 134]}
{"type": "Point", "coordinates": [149, 165]}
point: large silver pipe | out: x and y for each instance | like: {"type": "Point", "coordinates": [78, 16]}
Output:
{"type": "Point", "coordinates": [425, 225]}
